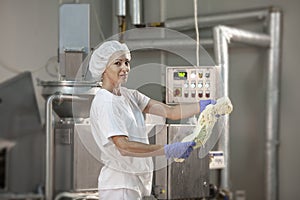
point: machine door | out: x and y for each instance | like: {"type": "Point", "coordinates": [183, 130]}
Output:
{"type": "Point", "coordinates": [188, 179]}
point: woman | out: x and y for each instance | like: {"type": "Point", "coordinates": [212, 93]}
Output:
{"type": "Point", "coordinates": [118, 127]}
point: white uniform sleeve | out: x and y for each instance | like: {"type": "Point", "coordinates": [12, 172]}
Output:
{"type": "Point", "coordinates": [111, 120]}
{"type": "Point", "coordinates": [141, 99]}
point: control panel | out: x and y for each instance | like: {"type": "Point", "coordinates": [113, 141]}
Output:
{"type": "Point", "coordinates": [186, 84]}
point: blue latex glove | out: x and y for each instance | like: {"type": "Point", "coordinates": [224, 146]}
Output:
{"type": "Point", "coordinates": [179, 149]}
{"type": "Point", "coordinates": [204, 103]}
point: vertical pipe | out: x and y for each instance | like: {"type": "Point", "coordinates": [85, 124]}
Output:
{"type": "Point", "coordinates": [49, 149]}
{"type": "Point", "coordinates": [136, 12]}
{"type": "Point", "coordinates": [272, 107]}
{"type": "Point", "coordinates": [221, 57]}
{"type": "Point", "coordinates": [49, 185]}
{"type": "Point", "coordinates": [121, 14]}
{"type": "Point", "coordinates": [121, 8]}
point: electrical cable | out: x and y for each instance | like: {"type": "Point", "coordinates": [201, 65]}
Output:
{"type": "Point", "coordinates": [197, 30]}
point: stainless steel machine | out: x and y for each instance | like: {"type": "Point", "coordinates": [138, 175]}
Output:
{"type": "Point", "coordinates": [190, 179]}
{"type": "Point", "coordinates": [187, 180]}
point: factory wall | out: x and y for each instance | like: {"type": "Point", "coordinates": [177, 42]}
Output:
{"type": "Point", "coordinates": [29, 42]}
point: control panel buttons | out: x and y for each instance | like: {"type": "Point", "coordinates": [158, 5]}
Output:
{"type": "Point", "coordinates": [207, 93]}
{"type": "Point", "coordinates": [200, 93]}
{"type": "Point", "coordinates": [186, 84]}
{"type": "Point", "coordinates": [207, 85]}
{"type": "Point", "coordinates": [200, 74]}
{"type": "Point", "coordinates": [177, 92]}
{"type": "Point", "coordinates": [207, 74]}
{"type": "Point", "coordinates": [200, 84]}
{"type": "Point", "coordinates": [193, 85]}
{"type": "Point", "coordinates": [193, 74]}
{"type": "Point", "coordinates": [193, 94]}
{"type": "Point", "coordinates": [186, 94]}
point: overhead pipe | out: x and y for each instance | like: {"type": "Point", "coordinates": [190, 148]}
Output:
{"type": "Point", "coordinates": [272, 107]}
{"type": "Point", "coordinates": [245, 37]}
{"type": "Point", "coordinates": [155, 43]}
{"type": "Point", "coordinates": [50, 141]}
{"type": "Point", "coordinates": [222, 37]}
{"type": "Point", "coordinates": [182, 24]}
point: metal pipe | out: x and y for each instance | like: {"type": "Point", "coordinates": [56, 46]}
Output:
{"type": "Point", "coordinates": [272, 107]}
{"type": "Point", "coordinates": [121, 8]}
{"type": "Point", "coordinates": [221, 57]}
{"type": "Point", "coordinates": [222, 37]}
{"type": "Point", "coordinates": [222, 18]}
{"type": "Point", "coordinates": [166, 43]}
{"type": "Point", "coordinates": [77, 195]}
{"type": "Point", "coordinates": [9, 196]}
{"type": "Point", "coordinates": [245, 37]}
{"type": "Point", "coordinates": [50, 141]}
{"type": "Point", "coordinates": [121, 14]}
{"type": "Point", "coordinates": [136, 12]}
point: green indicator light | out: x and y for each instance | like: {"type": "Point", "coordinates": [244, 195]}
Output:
{"type": "Point", "coordinates": [181, 74]}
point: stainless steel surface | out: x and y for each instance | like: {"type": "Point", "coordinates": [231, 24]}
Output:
{"type": "Point", "coordinates": [216, 19]}
{"type": "Point", "coordinates": [74, 39]}
{"type": "Point", "coordinates": [86, 163]}
{"type": "Point", "coordinates": [50, 148]}
{"type": "Point", "coordinates": [136, 12]}
{"type": "Point", "coordinates": [71, 109]}
{"type": "Point", "coordinates": [70, 63]}
{"type": "Point", "coordinates": [186, 180]}
{"type": "Point", "coordinates": [189, 179]}
{"type": "Point", "coordinates": [121, 8]}
{"type": "Point", "coordinates": [76, 167]}
{"type": "Point", "coordinates": [158, 135]}
{"type": "Point", "coordinates": [272, 106]}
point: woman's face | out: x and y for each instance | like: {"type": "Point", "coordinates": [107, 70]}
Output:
{"type": "Point", "coordinates": [117, 71]}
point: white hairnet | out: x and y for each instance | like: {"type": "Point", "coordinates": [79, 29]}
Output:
{"type": "Point", "coordinates": [102, 54]}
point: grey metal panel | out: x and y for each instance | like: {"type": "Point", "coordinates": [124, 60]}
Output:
{"type": "Point", "coordinates": [63, 157]}
{"type": "Point", "coordinates": [158, 135]}
{"type": "Point", "coordinates": [86, 166]}
{"type": "Point", "coordinates": [189, 179]}
{"type": "Point", "coordinates": [74, 35]}
{"type": "Point", "coordinates": [74, 39]}
{"type": "Point", "coordinates": [76, 168]}
{"type": "Point", "coordinates": [20, 123]}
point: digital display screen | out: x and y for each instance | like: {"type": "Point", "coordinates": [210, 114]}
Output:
{"type": "Point", "coordinates": [180, 75]}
